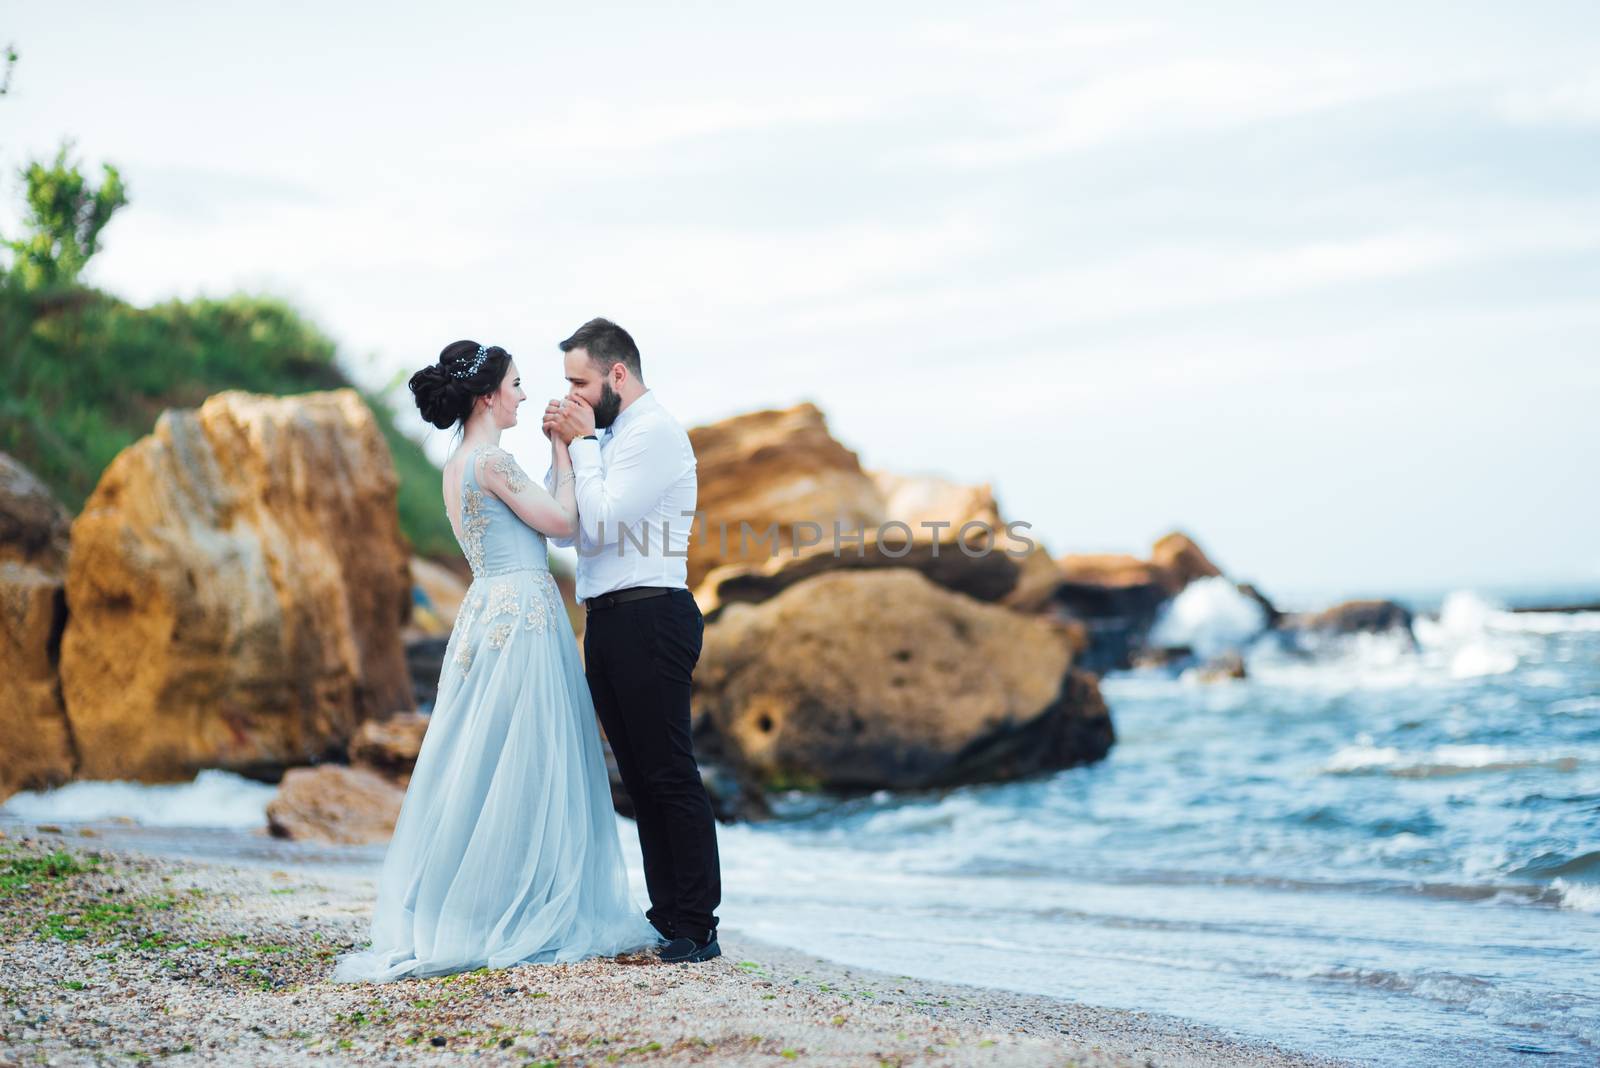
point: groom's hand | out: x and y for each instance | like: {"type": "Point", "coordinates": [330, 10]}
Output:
{"type": "Point", "coordinates": [574, 419]}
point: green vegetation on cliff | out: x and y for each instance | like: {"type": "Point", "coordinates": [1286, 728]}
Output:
{"type": "Point", "coordinates": [85, 374]}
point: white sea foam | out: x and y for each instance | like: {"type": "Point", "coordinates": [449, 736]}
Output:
{"type": "Point", "coordinates": [1585, 897]}
{"type": "Point", "coordinates": [1576, 706]}
{"type": "Point", "coordinates": [1470, 638]}
{"type": "Point", "coordinates": [1441, 760]}
{"type": "Point", "coordinates": [1362, 755]}
{"type": "Point", "coordinates": [213, 799]}
{"type": "Point", "coordinates": [1210, 616]}
{"type": "Point", "coordinates": [1479, 659]}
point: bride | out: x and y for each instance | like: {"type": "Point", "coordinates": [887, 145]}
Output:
{"type": "Point", "coordinates": [506, 849]}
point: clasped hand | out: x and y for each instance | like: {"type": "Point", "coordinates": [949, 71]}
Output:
{"type": "Point", "coordinates": [568, 419]}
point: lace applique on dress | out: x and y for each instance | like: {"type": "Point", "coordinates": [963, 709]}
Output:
{"type": "Point", "coordinates": [499, 634]}
{"type": "Point", "coordinates": [465, 618]}
{"type": "Point", "coordinates": [506, 466]}
{"type": "Point", "coordinates": [474, 521]}
{"type": "Point", "coordinates": [541, 607]}
{"type": "Point", "coordinates": [503, 598]}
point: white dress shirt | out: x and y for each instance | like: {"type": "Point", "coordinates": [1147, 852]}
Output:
{"type": "Point", "coordinates": [636, 490]}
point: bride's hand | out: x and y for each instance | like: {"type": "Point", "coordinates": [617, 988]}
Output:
{"type": "Point", "coordinates": [575, 419]}
{"type": "Point", "coordinates": [551, 412]}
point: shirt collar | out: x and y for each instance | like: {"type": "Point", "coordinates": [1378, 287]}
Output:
{"type": "Point", "coordinates": [647, 398]}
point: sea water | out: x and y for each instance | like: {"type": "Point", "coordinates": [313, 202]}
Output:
{"type": "Point", "coordinates": [1382, 851]}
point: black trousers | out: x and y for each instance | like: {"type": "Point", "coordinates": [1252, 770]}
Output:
{"type": "Point", "coordinates": [639, 656]}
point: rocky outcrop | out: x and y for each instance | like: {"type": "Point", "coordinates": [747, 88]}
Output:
{"type": "Point", "coordinates": [1117, 597]}
{"type": "Point", "coordinates": [774, 484]}
{"type": "Point", "coordinates": [36, 749]}
{"type": "Point", "coordinates": [390, 746]}
{"type": "Point", "coordinates": [1179, 561]}
{"type": "Point", "coordinates": [34, 527]}
{"type": "Point", "coordinates": [238, 583]}
{"type": "Point", "coordinates": [979, 571]}
{"type": "Point", "coordinates": [1351, 617]}
{"type": "Point", "coordinates": [1228, 667]}
{"type": "Point", "coordinates": [869, 679]}
{"type": "Point", "coordinates": [333, 803]}
{"type": "Point", "coordinates": [772, 469]}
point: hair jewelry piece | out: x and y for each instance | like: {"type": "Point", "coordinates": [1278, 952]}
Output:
{"type": "Point", "coordinates": [472, 368]}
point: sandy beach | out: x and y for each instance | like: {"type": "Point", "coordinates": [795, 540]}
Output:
{"type": "Point", "coordinates": [109, 955]}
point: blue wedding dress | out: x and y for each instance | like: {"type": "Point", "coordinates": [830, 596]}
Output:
{"type": "Point", "coordinates": [506, 849]}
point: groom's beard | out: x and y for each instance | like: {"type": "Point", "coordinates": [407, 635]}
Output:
{"type": "Point", "coordinates": [605, 413]}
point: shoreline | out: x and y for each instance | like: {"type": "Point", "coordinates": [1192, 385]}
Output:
{"type": "Point", "coordinates": [124, 957]}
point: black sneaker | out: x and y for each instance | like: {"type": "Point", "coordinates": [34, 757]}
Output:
{"type": "Point", "coordinates": [688, 951]}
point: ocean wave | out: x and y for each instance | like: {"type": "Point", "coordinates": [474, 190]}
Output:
{"type": "Point", "coordinates": [212, 799]}
{"type": "Point", "coordinates": [1575, 706]}
{"type": "Point", "coordinates": [1211, 617]}
{"type": "Point", "coordinates": [1448, 987]}
{"type": "Point", "coordinates": [1584, 897]}
{"type": "Point", "coordinates": [1479, 659]}
{"type": "Point", "coordinates": [1551, 864]}
{"type": "Point", "coordinates": [1466, 614]}
{"type": "Point", "coordinates": [1363, 758]}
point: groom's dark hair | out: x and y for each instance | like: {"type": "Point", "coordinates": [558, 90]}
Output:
{"type": "Point", "coordinates": [607, 344]}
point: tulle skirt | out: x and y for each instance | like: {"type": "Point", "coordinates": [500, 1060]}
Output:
{"type": "Point", "coordinates": [506, 848]}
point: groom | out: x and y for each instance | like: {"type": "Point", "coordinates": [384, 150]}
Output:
{"type": "Point", "coordinates": [636, 490]}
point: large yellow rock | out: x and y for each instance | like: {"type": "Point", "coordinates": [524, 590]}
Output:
{"type": "Point", "coordinates": [782, 471]}
{"type": "Point", "coordinates": [773, 468]}
{"type": "Point", "coordinates": [237, 588]}
{"type": "Point", "coordinates": [865, 679]}
{"type": "Point", "coordinates": [35, 745]}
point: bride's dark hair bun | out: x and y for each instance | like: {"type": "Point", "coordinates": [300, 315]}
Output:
{"type": "Point", "coordinates": [443, 395]}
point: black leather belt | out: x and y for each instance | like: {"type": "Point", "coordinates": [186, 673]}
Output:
{"type": "Point", "coordinates": [633, 593]}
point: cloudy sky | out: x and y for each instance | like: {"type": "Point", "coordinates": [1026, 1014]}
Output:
{"type": "Point", "coordinates": [1319, 290]}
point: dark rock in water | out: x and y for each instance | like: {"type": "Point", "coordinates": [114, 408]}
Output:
{"type": "Point", "coordinates": [865, 680]}
{"type": "Point", "coordinates": [1567, 607]}
{"type": "Point", "coordinates": [1163, 656]}
{"type": "Point", "coordinates": [1116, 618]}
{"type": "Point", "coordinates": [1117, 597]}
{"type": "Point", "coordinates": [1222, 668]}
{"type": "Point", "coordinates": [425, 661]}
{"type": "Point", "coordinates": [1351, 617]}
